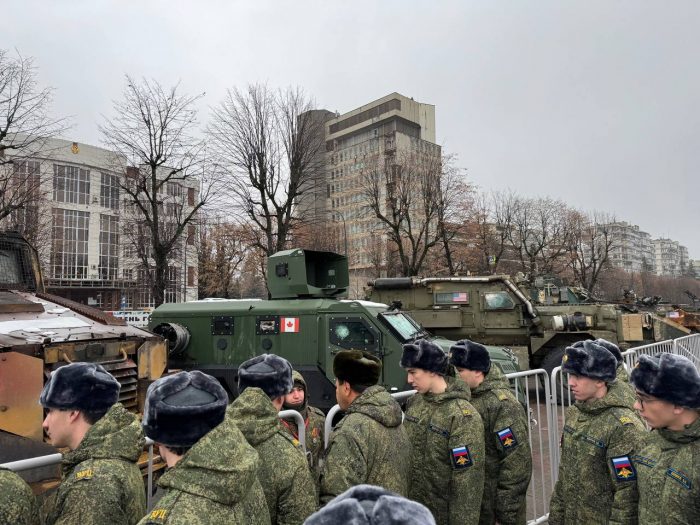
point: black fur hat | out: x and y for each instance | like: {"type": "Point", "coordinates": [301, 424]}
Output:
{"type": "Point", "coordinates": [470, 355]}
{"type": "Point", "coordinates": [370, 505]}
{"type": "Point", "coordinates": [80, 386]}
{"type": "Point", "coordinates": [589, 359]}
{"type": "Point", "coordinates": [612, 348]}
{"type": "Point", "coordinates": [670, 377]}
{"type": "Point", "coordinates": [183, 407]}
{"type": "Point", "coordinates": [268, 372]}
{"type": "Point", "coordinates": [425, 355]}
{"type": "Point", "coordinates": [357, 367]}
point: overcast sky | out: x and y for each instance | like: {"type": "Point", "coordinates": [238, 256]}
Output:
{"type": "Point", "coordinates": [593, 102]}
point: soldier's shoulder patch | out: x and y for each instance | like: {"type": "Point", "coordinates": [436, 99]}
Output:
{"type": "Point", "coordinates": [641, 460]}
{"type": "Point", "coordinates": [157, 515]}
{"type": "Point", "coordinates": [626, 420]}
{"type": "Point", "coordinates": [461, 457]}
{"type": "Point", "coordinates": [624, 470]}
{"type": "Point", "coordinates": [507, 438]}
{"type": "Point", "coordinates": [84, 474]}
{"type": "Point", "coordinates": [680, 477]}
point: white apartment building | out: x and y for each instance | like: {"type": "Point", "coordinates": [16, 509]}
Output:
{"type": "Point", "coordinates": [632, 248]}
{"type": "Point", "coordinates": [80, 224]}
{"type": "Point", "coordinates": [671, 257]}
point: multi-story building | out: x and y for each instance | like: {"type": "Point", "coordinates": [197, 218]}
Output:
{"type": "Point", "coordinates": [81, 220]}
{"type": "Point", "coordinates": [671, 257]}
{"type": "Point", "coordinates": [632, 249]}
{"type": "Point", "coordinates": [368, 138]}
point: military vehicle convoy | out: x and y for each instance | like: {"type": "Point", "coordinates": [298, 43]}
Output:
{"type": "Point", "coordinates": [306, 320]}
{"type": "Point", "coordinates": [543, 319]}
{"type": "Point", "coordinates": [40, 332]}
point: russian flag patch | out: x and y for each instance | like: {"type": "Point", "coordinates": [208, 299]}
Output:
{"type": "Point", "coordinates": [461, 457]}
{"type": "Point", "coordinates": [507, 438]}
{"type": "Point", "coordinates": [624, 471]}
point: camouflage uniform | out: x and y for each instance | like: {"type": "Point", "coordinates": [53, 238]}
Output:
{"type": "Point", "coordinates": [368, 446]}
{"type": "Point", "coordinates": [508, 457]}
{"type": "Point", "coordinates": [283, 471]}
{"type": "Point", "coordinates": [101, 481]}
{"type": "Point", "coordinates": [17, 503]}
{"type": "Point", "coordinates": [668, 470]}
{"type": "Point", "coordinates": [596, 482]}
{"type": "Point", "coordinates": [448, 456]}
{"type": "Point", "coordinates": [215, 482]}
{"type": "Point", "coordinates": [315, 421]}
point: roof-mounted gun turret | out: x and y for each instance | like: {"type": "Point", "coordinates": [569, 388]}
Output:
{"type": "Point", "coordinates": [304, 274]}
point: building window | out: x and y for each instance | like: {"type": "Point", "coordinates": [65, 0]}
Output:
{"type": "Point", "coordinates": [174, 189]}
{"type": "Point", "coordinates": [69, 257]}
{"type": "Point", "coordinates": [191, 275]}
{"type": "Point", "coordinates": [190, 235]}
{"type": "Point", "coordinates": [71, 184]}
{"type": "Point", "coordinates": [109, 247]}
{"type": "Point", "coordinates": [109, 191]}
{"type": "Point", "coordinates": [190, 196]}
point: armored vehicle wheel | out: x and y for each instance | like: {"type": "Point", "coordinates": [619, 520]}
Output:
{"type": "Point", "coordinates": [549, 363]}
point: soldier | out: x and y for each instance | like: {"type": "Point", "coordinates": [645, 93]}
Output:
{"type": "Point", "coordinates": [668, 463]}
{"type": "Point", "coordinates": [508, 458]}
{"type": "Point", "coordinates": [263, 381]}
{"type": "Point", "coordinates": [314, 420]}
{"type": "Point", "coordinates": [596, 481]}
{"type": "Point", "coordinates": [17, 503]}
{"type": "Point", "coordinates": [447, 438]}
{"type": "Point", "coordinates": [367, 504]}
{"type": "Point", "coordinates": [101, 481]}
{"type": "Point", "coordinates": [369, 445]}
{"type": "Point", "coordinates": [212, 470]}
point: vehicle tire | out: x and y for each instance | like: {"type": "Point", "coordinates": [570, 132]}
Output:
{"type": "Point", "coordinates": [549, 363]}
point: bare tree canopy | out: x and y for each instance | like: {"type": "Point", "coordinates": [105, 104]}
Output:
{"type": "Point", "coordinates": [270, 145]}
{"type": "Point", "coordinates": [154, 133]}
{"type": "Point", "coordinates": [590, 243]}
{"type": "Point", "coordinates": [25, 126]}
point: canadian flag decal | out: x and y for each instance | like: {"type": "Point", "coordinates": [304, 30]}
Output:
{"type": "Point", "coordinates": [290, 324]}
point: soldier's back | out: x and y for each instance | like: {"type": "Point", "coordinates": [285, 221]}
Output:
{"type": "Point", "coordinates": [17, 503]}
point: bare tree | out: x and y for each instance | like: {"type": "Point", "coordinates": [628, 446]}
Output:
{"type": "Point", "coordinates": [270, 146]}
{"type": "Point", "coordinates": [153, 132]}
{"type": "Point", "coordinates": [222, 252]}
{"type": "Point", "coordinates": [490, 223]}
{"type": "Point", "coordinates": [403, 191]}
{"type": "Point", "coordinates": [25, 126]}
{"type": "Point", "coordinates": [590, 243]}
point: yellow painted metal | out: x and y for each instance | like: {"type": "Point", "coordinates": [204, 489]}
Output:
{"type": "Point", "coordinates": [21, 382]}
{"type": "Point", "coordinates": [153, 358]}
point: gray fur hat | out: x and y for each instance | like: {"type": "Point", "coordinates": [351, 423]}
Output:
{"type": "Point", "coordinates": [183, 407]}
{"type": "Point", "coordinates": [426, 355]}
{"type": "Point", "coordinates": [470, 355]}
{"type": "Point", "coordinates": [589, 359]}
{"type": "Point", "coordinates": [370, 505]}
{"type": "Point", "coordinates": [612, 348]}
{"type": "Point", "coordinates": [670, 377]}
{"type": "Point", "coordinates": [268, 372]}
{"type": "Point", "coordinates": [80, 386]}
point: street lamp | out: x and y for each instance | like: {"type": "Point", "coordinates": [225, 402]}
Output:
{"type": "Point", "coordinates": [345, 229]}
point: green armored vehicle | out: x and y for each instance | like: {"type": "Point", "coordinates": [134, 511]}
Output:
{"type": "Point", "coordinates": [541, 319]}
{"type": "Point", "coordinates": [306, 320]}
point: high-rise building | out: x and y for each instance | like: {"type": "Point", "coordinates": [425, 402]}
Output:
{"type": "Point", "coordinates": [671, 257]}
{"type": "Point", "coordinates": [632, 248]}
{"type": "Point", "coordinates": [79, 220]}
{"type": "Point", "coordinates": [374, 136]}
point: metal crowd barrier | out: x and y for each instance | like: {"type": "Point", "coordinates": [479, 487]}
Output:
{"type": "Point", "coordinates": [689, 346]}
{"type": "Point", "coordinates": [55, 459]}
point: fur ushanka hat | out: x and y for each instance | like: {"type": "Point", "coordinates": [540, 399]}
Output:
{"type": "Point", "coordinates": [80, 386]}
{"type": "Point", "coordinates": [612, 348]}
{"type": "Point", "coordinates": [589, 359]}
{"type": "Point", "coordinates": [670, 377]}
{"type": "Point", "coordinates": [180, 409]}
{"type": "Point", "coordinates": [268, 372]}
{"type": "Point", "coordinates": [357, 367]}
{"type": "Point", "coordinates": [370, 505]}
{"type": "Point", "coordinates": [470, 355]}
{"type": "Point", "coordinates": [425, 355]}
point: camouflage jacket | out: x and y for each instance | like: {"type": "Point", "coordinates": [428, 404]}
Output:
{"type": "Point", "coordinates": [101, 481]}
{"type": "Point", "coordinates": [215, 482]}
{"type": "Point", "coordinates": [597, 483]}
{"type": "Point", "coordinates": [668, 470]}
{"type": "Point", "coordinates": [629, 396]}
{"type": "Point", "coordinates": [17, 503]}
{"type": "Point", "coordinates": [508, 458]}
{"type": "Point", "coordinates": [315, 421]}
{"type": "Point", "coordinates": [448, 456]}
{"type": "Point", "coordinates": [283, 470]}
{"type": "Point", "coordinates": [368, 446]}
